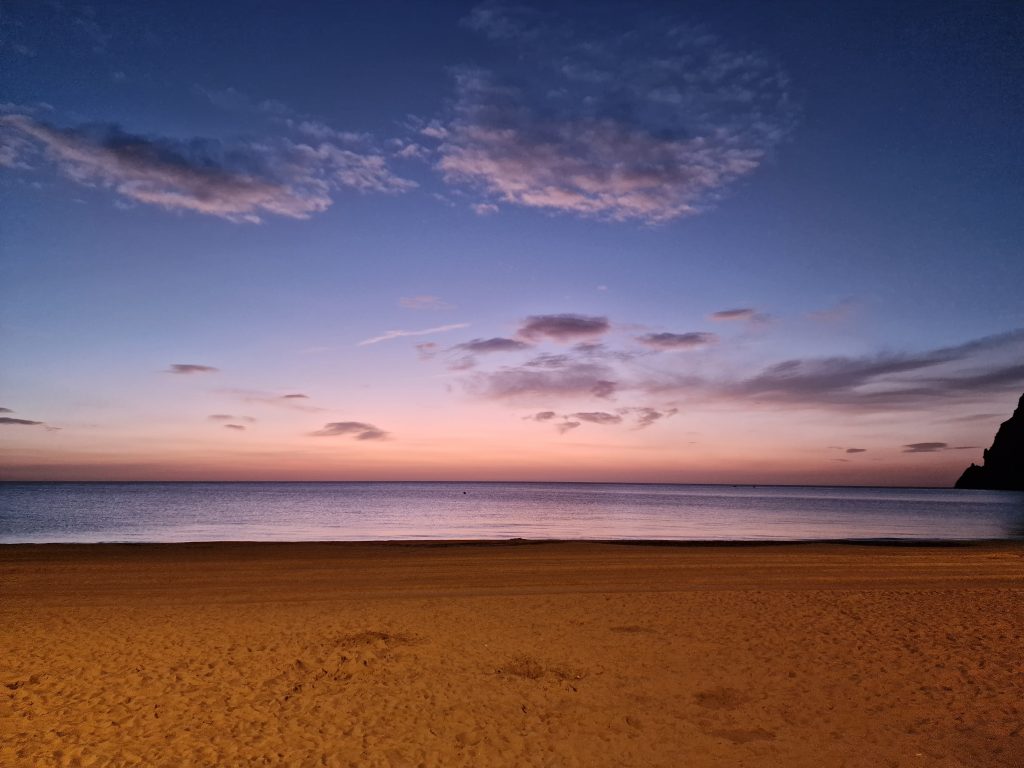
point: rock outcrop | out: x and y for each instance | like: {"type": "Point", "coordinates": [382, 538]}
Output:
{"type": "Point", "coordinates": [1003, 467]}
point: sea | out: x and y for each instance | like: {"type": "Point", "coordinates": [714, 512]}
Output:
{"type": "Point", "coordinates": [353, 511]}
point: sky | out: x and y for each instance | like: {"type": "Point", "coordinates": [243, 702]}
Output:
{"type": "Point", "coordinates": [736, 242]}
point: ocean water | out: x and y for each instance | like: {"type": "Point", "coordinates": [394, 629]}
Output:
{"type": "Point", "coordinates": [166, 512]}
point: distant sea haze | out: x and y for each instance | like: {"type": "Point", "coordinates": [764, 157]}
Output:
{"type": "Point", "coordinates": [174, 512]}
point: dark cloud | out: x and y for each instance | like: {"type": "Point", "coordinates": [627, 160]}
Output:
{"type": "Point", "coordinates": [596, 417]}
{"type": "Point", "coordinates": [237, 427]}
{"type": "Point", "coordinates": [497, 344]}
{"type": "Point", "coordinates": [229, 417]}
{"type": "Point", "coordinates": [548, 360]}
{"type": "Point", "coordinates": [563, 328]}
{"type": "Point", "coordinates": [856, 450]}
{"type": "Point", "coordinates": [19, 422]}
{"type": "Point", "coordinates": [240, 181]}
{"type": "Point", "coordinates": [891, 380]}
{"type": "Point", "coordinates": [646, 416]}
{"type": "Point", "coordinates": [6, 410]}
{"type": "Point", "coordinates": [357, 429]}
{"type": "Point", "coordinates": [734, 314]}
{"type": "Point", "coordinates": [566, 426]}
{"type": "Point", "coordinates": [188, 368]}
{"type": "Point", "coordinates": [648, 125]}
{"type": "Point", "coordinates": [924, 447]}
{"type": "Point", "coordinates": [572, 380]}
{"type": "Point", "coordinates": [692, 340]}
{"type": "Point", "coordinates": [295, 396]}
{"type": "Point", "coordinates": [542, 416]}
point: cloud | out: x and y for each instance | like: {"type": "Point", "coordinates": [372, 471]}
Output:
{"type": "Point", "coordinates": [229, 417]}
{"type": "Point", "coordinates": [190, 368]}
{"type": "Point", "coordinates": [566, 426]}
{"type": "Point", "coordinates": [596, 417]}
{"type": "Point", "coordinates": [887, 381]}
{"type": "Point", "coordinates": [646, 416]}
{"type": "Point", "coordinates": [733, 314]}
{"type": "Point", "coordinates": [573, 380]}
{"type": "Point", "coordinates": [388, 335]}
{"type": "Point", "coordinates": [357, 429]}
{"type": "Point", "coordinates": [664, 341]}
{"type": "Point", "coordinates": [496, 344]}
{"type": "Point", "coordinates": [542, 416]}
{"type": "Point", "coordinates": [856, 450]}
{"type": "Point", "coordinates": [428, 350]}
{"type": "Point", "coordinates": [19, 422]}
{"type": "Point", "coordinates": [236, 427]}
{"type": "Point", "coordinates": [289, 401]}
{"type": "Point", "coordinates": [241, 181]}
{"type": "Point", "coordinates": [646, 125]}
{"type": "Point", "coordinates": [563, 328]}
{"type": "Point", "coordinates": [925, 447]}
{"type": "Point", "coordinates": [6, 410]}
{"type": "Point", "coordinates": [424, 302]}
{"type": "Point", "coordinates": [484, 209]}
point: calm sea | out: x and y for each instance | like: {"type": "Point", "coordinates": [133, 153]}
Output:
{"type": "Point", "coordinates": [162, 512]}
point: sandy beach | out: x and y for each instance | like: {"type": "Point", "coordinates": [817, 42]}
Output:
{"type": "Point", "coordinates": [533, 654]}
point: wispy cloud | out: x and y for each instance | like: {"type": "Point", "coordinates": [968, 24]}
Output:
{"type": "Point", "coordinates": [496, 344]}
{"type": "Point", "coordinates": [646, 416]}
{"type": "Point", "coordinates": [241, 181]}
{"type": "Point", "coordinates": [542, 416]}
{"type": "Point", "coordinates": [648, 126]}
{"type": "Point", "coordinates": [356, 429]}
{"type": "Point", "coordinates": [891, 380]}
{"type": "Point", "coordinates": [424, 302]}
{"type": "Point", "coordinates": [235, 427]}
{"type": "Point", "coordinates": [230, 417]}
{"type": "Point", "coordinates": [733, 314]}
{"type": "Point", "coordinates": [924, 447]}
{"type": "Point", "coordinates": [575, 379]}
{"type": "Point", "coordinates": [428, 350]}
{"type": "Point", "coordinates": [666, 341]}
{"type": "Point", "coordinates": [293, 401]}
{"type": "Point", "coordinates": [563, 328]}
{"type": "Point", "coordinates": [186, 369]}
{"type": "Point", "coordinates": [388, 335]}
{"type": "Point", "coordinates": [596, 417]}
{"type": "Point", "coordinates": [19, 422]}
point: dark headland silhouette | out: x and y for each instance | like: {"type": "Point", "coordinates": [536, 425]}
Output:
{"type": "Point", "coordinates": [1003, 467]}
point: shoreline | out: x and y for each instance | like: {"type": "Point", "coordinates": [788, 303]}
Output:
{"type": "Point", "coordinates": [512, 653]}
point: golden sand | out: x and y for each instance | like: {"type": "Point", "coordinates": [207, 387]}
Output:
{"type": "Point", "coordinates": [554, 654]}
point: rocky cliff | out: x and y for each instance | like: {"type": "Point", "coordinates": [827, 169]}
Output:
{"type": "Point", "coordinates": [1003, 467]}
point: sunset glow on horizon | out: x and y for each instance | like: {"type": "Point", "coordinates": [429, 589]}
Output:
{"type": "Point", "coordinates": [633, 243]}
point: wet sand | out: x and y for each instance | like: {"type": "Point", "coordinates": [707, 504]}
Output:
{"type": "Point", "coordinates": [534, 654]}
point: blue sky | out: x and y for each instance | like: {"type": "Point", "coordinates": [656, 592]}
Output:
{"type": "Point", "coordinates": [255, 192]}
